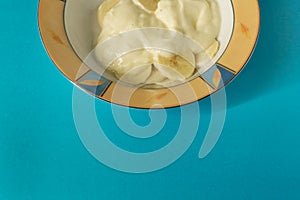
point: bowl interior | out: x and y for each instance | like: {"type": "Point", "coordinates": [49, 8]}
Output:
{"type": "Point", "coordinates": [82, 30]}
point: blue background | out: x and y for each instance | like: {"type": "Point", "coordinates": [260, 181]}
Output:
{"type": "Point", "coordinates": [257, 156]}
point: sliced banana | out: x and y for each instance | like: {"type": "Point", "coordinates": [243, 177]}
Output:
{"type": "Point", "coordinates": [174, 67]}
{"type": "Point", "coordinates": [156, 77]}
{"type": "Point", "coordinates": [134, 67]}
{"type": "Point", "coordinates": [137, 75]}
{"type": "Point", "coordinates": [204, 58]}
{"type": "Point", "coordinates": [213, 49]}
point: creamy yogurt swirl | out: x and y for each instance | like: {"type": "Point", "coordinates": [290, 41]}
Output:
{"type": "Point", "coordinates": [196, 19]}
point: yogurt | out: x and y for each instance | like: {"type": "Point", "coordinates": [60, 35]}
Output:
{"type": "Point", "coordinates": [198, 20]}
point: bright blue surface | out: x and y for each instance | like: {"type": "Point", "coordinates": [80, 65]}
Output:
{"type": "Point", "coordinates": [257, 157]}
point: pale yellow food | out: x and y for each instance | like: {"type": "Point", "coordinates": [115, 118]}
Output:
{"type": "Point", "coordinates": [135, 71]}
{"type": "Point", "coordinates": [119, 16]}
{"type": "Point", "coordinates": [174, 67]}
{"type": "Point", "coordinates": [196, 19]}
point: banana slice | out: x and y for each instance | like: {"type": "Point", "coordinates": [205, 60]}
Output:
{"type": "Point", "coordinates": [137, 75]}
{"type": "Point", "coordinates": [134, 67]}
{"type": "Point", "coordinates": [174, 67]}
{"type": "Point", "coordinates": [155, 77]}
{"type": "Point", "coordinates": [213, 49]}
{"type": "Point", "coordinates": [204, 58]}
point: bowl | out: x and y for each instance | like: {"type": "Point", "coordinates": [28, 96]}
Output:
{"type": "Point", "coordinates": [69, 28]}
